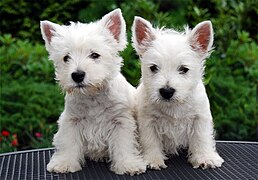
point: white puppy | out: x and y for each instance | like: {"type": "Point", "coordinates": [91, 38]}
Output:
{"type": "Point", "coordinates": [98, 119]}
{"type": "Point", "coordinates": [173, 107]}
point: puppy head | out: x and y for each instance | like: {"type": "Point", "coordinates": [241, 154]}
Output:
{"type": "Point", "coordinates": [86, 55]}
{"type": "Point", "coordinates": [172, 62]}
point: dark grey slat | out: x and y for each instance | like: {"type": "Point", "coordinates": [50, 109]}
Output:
{"type": "Point", "coordinates": [20, 167]}
{"type": "Point", "coordinates": [241, 163]}
{"type": "Point", "coordinates": [227, 155]}
{"type": "Point", "coordinates": [1, 167]}
{"type": "Point", "coordinates": [13, 167]}
{"type": "Point", "coordinates": [7, 168]}
{"type": "Point", "coordinates": [248, 157]}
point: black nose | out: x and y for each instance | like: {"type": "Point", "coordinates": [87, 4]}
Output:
{"type": "Point", "coordinates": [167, 93]}
{"type": "Point", "coordinates": [78, 76]}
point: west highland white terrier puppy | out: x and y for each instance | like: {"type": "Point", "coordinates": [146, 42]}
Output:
{"type": "Point", "coordinates": [98, 119]}
{"type": "Point", "coordinates": [173, 107]}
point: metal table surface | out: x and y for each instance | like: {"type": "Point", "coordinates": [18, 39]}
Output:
{"type": "Point", "coordinates": [241, 162]}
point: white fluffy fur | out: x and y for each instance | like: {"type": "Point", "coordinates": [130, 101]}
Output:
{"type": "Point", "coordinates": [98, 119]}
{"type": "Point", "coordinates": [185, 120]}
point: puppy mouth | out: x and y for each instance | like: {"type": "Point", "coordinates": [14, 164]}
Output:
{"type": "Point", "coordinates": [167, 100]}
{"type": "Point", "coordinates": [83, 88]}
{"type": "Point", "coordinates": [80, 86]}
{"type": "Point", "coordinates": [172, 100]}
{"type": "Point", "coordinates": [161, 99]}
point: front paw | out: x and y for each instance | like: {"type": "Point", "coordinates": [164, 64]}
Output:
{"type": "Point", "coordinates": [63, 165]}
{"type": "Point", "coordinates": [129, 167]}
{"type": "Point", "coordinates": [155, 162]}
{"type": "Point", "coordinates": [204, 161]}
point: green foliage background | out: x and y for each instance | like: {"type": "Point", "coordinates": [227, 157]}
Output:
{"type": "Point", "coordinates": [31, 101]}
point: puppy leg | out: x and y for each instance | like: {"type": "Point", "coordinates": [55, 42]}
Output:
{"type": "Point", "coordinates": [125, 156]}
{"type": "Point", "coordinates": [69, 148]}
{"type": "Point", "coordinates": [202, 148]}
{"type": "Point", "coordinates": [152, 146]}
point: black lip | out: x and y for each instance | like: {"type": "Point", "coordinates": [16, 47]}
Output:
{"type": "Point", "coordinates": [80, 86]}
{"type": "Point", "coordinates": [166, 100]}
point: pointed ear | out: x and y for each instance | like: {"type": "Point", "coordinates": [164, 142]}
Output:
{"type": "Point", "coordinates": [143, 34]}
{"type": "Point", "coordinates": [115, 24]}
{"type": "Point", "coordinates": [201, 37]}
{"type": "Point", "coordinates": [48, 30]}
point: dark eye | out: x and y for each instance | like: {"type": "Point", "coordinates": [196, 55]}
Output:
{"type": "Point", "coordinates": [183, 70]}
{"type": "Point", "coordinates": [66, 58]}
{"type": "Point", "coordinates": [94, 55]}
{"type": "Point", "coordinates": [154, 68]}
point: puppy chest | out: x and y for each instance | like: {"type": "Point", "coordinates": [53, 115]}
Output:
{"type": "Point", "coordinates": [96, 136]}
{"type": "Point", "coordinates": [96, 117]}
{"type": "Point", "coordinates": [98, 124]}
{"type": "Point", "coordinates": [173, 132]}
{"type": "Point", "coordinates": [92, 110]}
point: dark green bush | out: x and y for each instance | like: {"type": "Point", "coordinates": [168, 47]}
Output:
{"type": "Point", "coordinates": [232, 90]}
{"type": "Point", "coordinates": [20, 58]}
{"type": "Point", "coordinates": [21, 18]}
{"type": "Point", "coordinates": [232, 71]}
{"type": "Point", "coordinates": [30, 100]}
{"type": "Point", "coordinates": [28, 107]}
